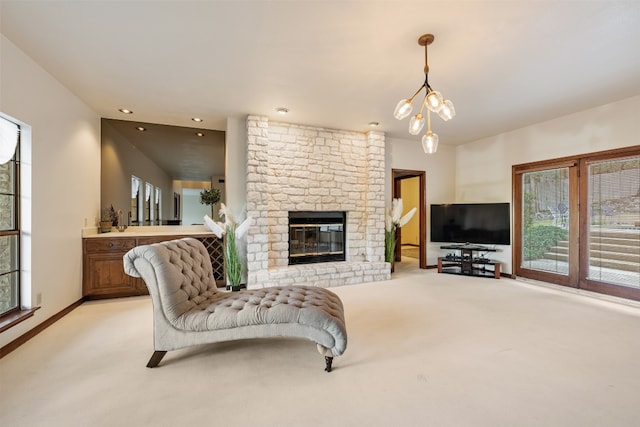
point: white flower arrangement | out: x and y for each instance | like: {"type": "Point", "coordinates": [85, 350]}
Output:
{"type": "Point", "coordinates": [231, 231]}
{"type": "Point", "coordinates": [393, 221]}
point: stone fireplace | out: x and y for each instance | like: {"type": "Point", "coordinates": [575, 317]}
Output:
{"type": "Point", "coordinates": [293, 168]}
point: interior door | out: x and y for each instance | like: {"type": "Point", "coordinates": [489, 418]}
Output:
{"type": "Point", "coordinates": [546, 223]}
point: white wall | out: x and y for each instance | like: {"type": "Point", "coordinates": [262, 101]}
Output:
{"type": "Point", "coordinates": [65, 181]}
{"type": "Point", "coordinates": [235, 166]}
{"type": "Point", "coordinates": [483, 167]}
{"type": "Point", "coordinates": [440, 176]}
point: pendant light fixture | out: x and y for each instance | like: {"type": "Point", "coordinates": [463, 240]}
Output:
{"type": "Point", "coordinates": [433, 101]}
{"type": "Point", "coordinates": [8, 140]}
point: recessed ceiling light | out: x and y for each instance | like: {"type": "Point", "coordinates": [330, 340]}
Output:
{"type": "Point", "coordinates": [125, 111]}
{"type": "Point", "coordinates": [282, 110]}
{"type": "Point", "coordinates": [374, 124]}
{"type": "Point", "coordinates": [196, 119]}
{"type": "Point", "coordinates": [141, 129]}
{"type": "Point", "coordinates": [199, 134]}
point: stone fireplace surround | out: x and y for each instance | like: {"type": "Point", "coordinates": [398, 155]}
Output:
{"type": "Point", "coordinates": [293, 167]}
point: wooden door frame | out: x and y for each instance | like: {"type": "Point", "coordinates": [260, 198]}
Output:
{"type": "Point", "coordinates": [572, 277]}
{"type": "Point", "coordinates": [397, 176]}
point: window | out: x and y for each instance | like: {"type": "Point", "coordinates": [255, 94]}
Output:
{"type": "Point", "coordinates": [135, 200]}
{"type": "Point", "coordinates": [157, 205]}
{"type": "Point", "coordinates": [10, 221]}
{"type": "Point", "coordinates": [148, 202]}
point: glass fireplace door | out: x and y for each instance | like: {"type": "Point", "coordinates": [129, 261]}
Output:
{"type": "Point", "coordinates": [316, 237]}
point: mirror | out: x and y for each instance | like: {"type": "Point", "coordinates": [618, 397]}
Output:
{"type": "Point", "coordinates": [171, 165]}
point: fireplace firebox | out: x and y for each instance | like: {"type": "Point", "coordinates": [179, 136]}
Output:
{"type": "Point", "coordinates": [316, 236]}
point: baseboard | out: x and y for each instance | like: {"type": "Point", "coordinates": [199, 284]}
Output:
{"type": "Point", "coordinates": [37, 329]}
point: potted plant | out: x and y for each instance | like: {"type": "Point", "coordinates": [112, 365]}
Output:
{"type": "Point", "coordinates": [393, 221]}
{"type": "Point", "coordinates": [210, 197]}
{"type": "Point", "coordinates": [231, 231]}
{"type": "Point", "coordinates": [109, 218]}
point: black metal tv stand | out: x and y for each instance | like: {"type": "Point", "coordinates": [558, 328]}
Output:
{"type": "Point", "coordinates": [464, 262]}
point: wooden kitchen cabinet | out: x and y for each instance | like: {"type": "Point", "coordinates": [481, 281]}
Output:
{"type": "Point", "coordinates": [103, 273]}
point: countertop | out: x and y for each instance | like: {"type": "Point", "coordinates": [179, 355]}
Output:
{"type": "Point", "coordinates": [148, 230]}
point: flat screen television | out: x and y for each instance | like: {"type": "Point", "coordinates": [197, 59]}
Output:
{"type": "Point", "coordinates": [478, 223]}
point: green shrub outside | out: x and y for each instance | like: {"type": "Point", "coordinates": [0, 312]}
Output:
{"type": "Point", "coordinates": [538, 239]}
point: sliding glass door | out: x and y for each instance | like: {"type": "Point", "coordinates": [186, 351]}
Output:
{"type": "Point", "coordinates": [611, 261]}
{"type": "Point", "coordinates": [546, 230]}
{"type": "Point", "coordinates": [577, 222]}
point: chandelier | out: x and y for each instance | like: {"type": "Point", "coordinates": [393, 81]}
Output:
{"type": "Point", "coordinates": [433, 102]}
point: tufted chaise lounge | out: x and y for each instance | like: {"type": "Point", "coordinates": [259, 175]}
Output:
{"type": "Point", "coordinates": [188, 308]}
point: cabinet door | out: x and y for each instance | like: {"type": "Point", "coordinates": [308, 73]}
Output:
{"type": "Point", "coordinates": [106, 277]}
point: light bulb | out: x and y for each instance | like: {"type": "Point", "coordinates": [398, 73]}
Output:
{"type": "Point", "coordinates": [447, 112]}
{"type": "Point", "coordinates": [434, 101]}
{"type": "Point", "coordinates": [416, 124]}
{"type": "Point", "coordinates": [430, 142]}
{"type": "Point", "coordinates": [403, 109]}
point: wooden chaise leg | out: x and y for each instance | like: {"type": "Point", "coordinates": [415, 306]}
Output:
{"type": "Point", "coordinates": [328, 360]}
{"type": "Point", "coordinates": [156, 358]}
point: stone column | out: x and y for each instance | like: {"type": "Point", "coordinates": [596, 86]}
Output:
{"type": "Point", "coordinates": [375, 196]}
{"type": "Point", "coordinates": [257, 199]}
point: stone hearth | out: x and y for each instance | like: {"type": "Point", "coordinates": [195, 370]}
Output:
{"type": "Point", "coordinates": [292, 168]}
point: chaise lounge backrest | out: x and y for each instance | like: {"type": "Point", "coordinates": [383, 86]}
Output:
{"type": "Point", "coordinates": [183, 274]}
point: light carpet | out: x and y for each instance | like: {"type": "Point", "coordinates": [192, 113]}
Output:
{"type": "Point", "coordinates": [425, 349]}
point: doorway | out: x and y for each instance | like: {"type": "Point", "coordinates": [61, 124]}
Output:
{"type": "Point", "coordinates": [416, 193]}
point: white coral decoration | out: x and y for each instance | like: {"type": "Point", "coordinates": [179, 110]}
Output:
{"type": "Point", "coordinates": [407, 217]}
{"type": "Point", "coordinates": [394, 216]}
{"type": "Point", "coordinates": [220, 228]}
{"type": "Point", "coordinates": [216, 227]}
{"type": "Point", "coordinates": [241, 229]}
{"type": "Point", "coordinates": [388, 222]}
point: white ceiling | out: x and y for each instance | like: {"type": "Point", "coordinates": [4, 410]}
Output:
{"type": "Point", "coordinates": [339, 64]}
